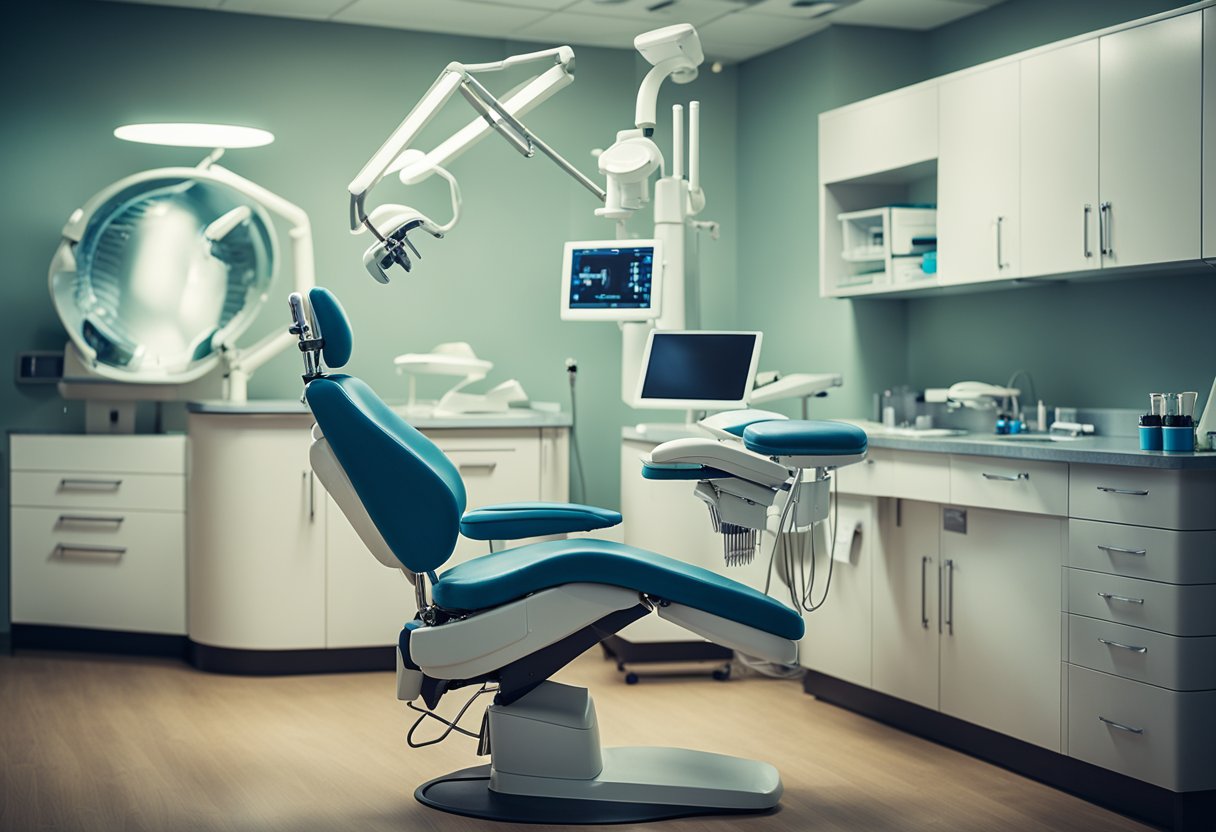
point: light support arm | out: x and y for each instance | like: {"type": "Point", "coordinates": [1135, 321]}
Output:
{"type": "Point", "coordinates": [240, 363]}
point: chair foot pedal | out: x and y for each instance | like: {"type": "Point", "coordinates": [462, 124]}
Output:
{"type": "Point", "coordinates": [467, 792]}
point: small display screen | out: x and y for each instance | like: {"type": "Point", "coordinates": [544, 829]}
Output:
{"type": "Point", "coordinates": [693, 366]}
{"type": "Point", "coordinates": [611, 278]}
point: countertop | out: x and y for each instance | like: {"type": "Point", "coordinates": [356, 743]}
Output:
{"type": "Point", "coordinates": [513, 418]}
{"type": "Point", "coordinates": [1092, 450]}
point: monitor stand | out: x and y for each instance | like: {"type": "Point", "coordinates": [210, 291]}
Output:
{"type": "Point", "coordinates": [660, 432]}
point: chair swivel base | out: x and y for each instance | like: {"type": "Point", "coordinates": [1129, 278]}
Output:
{"type": "Point", "coordinates": [636, 786]}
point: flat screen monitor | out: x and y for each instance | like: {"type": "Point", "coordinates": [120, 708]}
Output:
{"type": "Point", "coordinates": [698, 370]}
{"type": "Point", "coordinates": [612, 280]}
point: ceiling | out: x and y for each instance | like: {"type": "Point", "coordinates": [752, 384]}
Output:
{"type": "Point", "coordinates": [731, 30]}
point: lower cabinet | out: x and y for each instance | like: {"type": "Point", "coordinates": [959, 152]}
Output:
{"type": "Point", "coordinates": [272, 562]}
{"type": "Point", "coordinates": [1000, 647]}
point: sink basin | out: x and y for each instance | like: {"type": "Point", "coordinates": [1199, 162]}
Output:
{"type": "Point", "coordinates": [1034, 437]}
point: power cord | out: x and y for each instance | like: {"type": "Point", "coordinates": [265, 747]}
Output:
{"type": "Point", "coordinates": [572, 374]}
{"type": "Point", "coordinates": [453, 724]}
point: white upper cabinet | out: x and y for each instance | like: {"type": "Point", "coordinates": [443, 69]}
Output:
{"type": "Point", "coordinates": [1150, 142]}
{"type": "Point", "coordinates": [1209, 133]}
{"type": "Point", "coordinates": [1059, 161]}
{"type": "Point", "coordinates": [977, 186]}
{"type": "Point", "coordinates": [888, 132]}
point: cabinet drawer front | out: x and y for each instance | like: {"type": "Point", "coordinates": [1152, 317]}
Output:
{"type": "Point", "coordinates": [906, 474]}
{"type": "Point", "coordinates": [1141, 552]}
{"type": "Point", "coordinates": [1166, 737]}
{"type": "Point", "coordinates": [88, 569]}
{"type": "Point", "coordinates": [1144, 496]}
{"type": "Point", "coordinates": [99, 454]}
{"type": "Point", "coordinates": [1165, 608]}
{"type": "Point", "coordinates": [493, 473]}
{"type": "Point", "coordinates": [1009, 484]}
{"type": "Point", "coordinates": [1143, 655]}
{"type": "Point", "coordinates": [80, 489]}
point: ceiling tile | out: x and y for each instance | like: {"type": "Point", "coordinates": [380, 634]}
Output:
{"type": "Point", "coordinates": [741, 36]}
{"type": "Point", "coordinates": [584, 30]}
{"type": "Point", "coordinates": [196, 4]}
{"type": "Point", "coordinates": [785, 8]}
{"type": "Point", "coordinates": [696, 12]}
{"type": "Point", "coordinates": [902, 14]}
{"type": "Point", "coordinates": [460, 17]}
{"type": "Point", "coordinates": [551, 5]}
{"type": "Point", "coordinates": [312, 9]}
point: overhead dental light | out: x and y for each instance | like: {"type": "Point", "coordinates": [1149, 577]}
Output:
{"type": "Point", "coordinates": [190, 134]}
{"type": "Point", "coordinates": [158, 275]}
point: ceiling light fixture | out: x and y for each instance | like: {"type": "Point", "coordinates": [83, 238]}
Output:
{"type": "Point", "coordinates": [182, 134]}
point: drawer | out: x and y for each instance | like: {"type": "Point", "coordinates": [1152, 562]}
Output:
{"type": "Point", "coordinates": [1165, 608]}
{"type": "Point", "coordinates": [1144, 496]}
{"type": "Point", "coordinates": [1143, 655]}
{"type": "Point", "coordinates": [146, 454]}
{"type": "Point", "coordinates": [1142, 552]}
{"type": "Point", "coordinates": [1009, 484]}
{"type": "Point", "coordinates": [907, 474]}
{"type": "Point", "coordinates": [66, 490]}
{"type": "Point", "coordinates": [1166, 739]}
{"type": "Point", "coordinates": [106, 575]}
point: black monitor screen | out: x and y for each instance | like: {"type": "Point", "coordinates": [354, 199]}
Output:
{"type": "Point", "coordinates": [699, 366]}
{"type": "Point", "coordinates": [611, 278]}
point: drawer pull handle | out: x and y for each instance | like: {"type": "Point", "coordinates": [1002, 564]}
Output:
{"type": "Point", "coordinates": [1121, 726]}
{"type": "Point", "coordinates": [488, 467]}
{"type": "Point", "coordinates": [1110, 643]}
{"type": "Point", "coordinates": [1122, 551]}
{"type": "Point", "coordinates": [1132, 491]}
{"type": "Point", "coordinates": [65, 551]}
{"type": "Point", "coordinates": [1021, 475]}
{"type": "Point", "coordinates": [1109, 597]}
{"type": "Point", "coordinates": [79, 484]}
{"type": "Point", "coordinates": [70, 519]}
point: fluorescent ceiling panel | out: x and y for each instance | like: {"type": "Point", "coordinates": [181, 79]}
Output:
{"type": "Point", "coordinates": [457, 17]}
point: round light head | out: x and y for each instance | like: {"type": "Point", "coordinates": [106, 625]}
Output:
{"type": "Point", "coordinates": [181, 134]}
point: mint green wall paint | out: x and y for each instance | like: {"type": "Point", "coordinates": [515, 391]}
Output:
{"type": "Point", "coordinates": [780, 98]}
{"type": "Point", "coordinates": [331, 94]}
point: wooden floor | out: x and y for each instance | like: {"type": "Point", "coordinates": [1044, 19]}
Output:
{"type": "Point", "coordinates": [103, 743]}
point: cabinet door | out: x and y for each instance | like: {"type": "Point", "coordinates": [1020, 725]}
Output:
{"type": "Point", "coordinates": [1000, 646]}
{"type": "Point", "coordinates": [1059, 169]}
{"type": "Point", "coordinates": [1150, 143]}
{"type": "Point", "coordinates": [906, 619]}
{"type": "Point", "coordinates": [367, 603]}
{"type": "Point", "coordinates": [1209, 134]}
{"type": "Point", "coordinates": [838, 634]}
{"type": "Point", "coordinates": [256, 519]}
{"type": "Point", "coordinates": [977, 185]}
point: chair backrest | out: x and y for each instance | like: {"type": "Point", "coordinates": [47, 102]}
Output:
{"type": "Point", "coordinates": [412, 493]}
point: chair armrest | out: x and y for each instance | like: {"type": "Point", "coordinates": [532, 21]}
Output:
{"type": "Point", "coordinates": [512, 521]}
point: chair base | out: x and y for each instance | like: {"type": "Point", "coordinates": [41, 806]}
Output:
{"type": "Point", "coordinates": [467, 792]}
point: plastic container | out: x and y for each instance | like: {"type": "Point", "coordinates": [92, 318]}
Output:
{"type": "Point", "coordinates": [1150, 437]}
{"type": "Point", "coordinates": [1180, 439]}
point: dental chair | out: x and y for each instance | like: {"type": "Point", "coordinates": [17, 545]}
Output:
{"type": "Point", "coordinates": [507, 621]}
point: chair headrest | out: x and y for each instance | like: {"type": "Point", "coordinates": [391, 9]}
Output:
{"type": "Point", "coordinates": [334, 326]}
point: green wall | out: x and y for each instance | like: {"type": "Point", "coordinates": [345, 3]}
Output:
{"type": "Point", "coordinates": [331, 94]}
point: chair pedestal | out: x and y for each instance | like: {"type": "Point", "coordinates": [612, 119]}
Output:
{"type": "Point", "coordinates": [547, 767]}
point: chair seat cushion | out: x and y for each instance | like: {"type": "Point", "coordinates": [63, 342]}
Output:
{"type": "Point", "coordinates": [511, 521]}
{"type": "Point", "coordinates": [493, 580]}
{"type": "Point", "coordinates": [801, 437]}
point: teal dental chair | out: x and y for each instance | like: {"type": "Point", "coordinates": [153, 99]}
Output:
{"type": "Point", "coordinates": [506, 621]}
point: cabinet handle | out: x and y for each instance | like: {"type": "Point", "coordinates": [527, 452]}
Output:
{"type": "Point", "coordinates": [312, 497]}
{"type": "Point", "coordinates": [940, 596]}
{"type": "Point", "coordinates": [1085, 231]}
{"type": "Point", "coordinates": [950, 600]}
{"type": "Point", "coordinates": [1110, 643]}
{"type": "Point", "coordinates": [488, 467]}
{"type": "Point", "coordinates": [81, 484]}
{"type": "Point", "coordinates": [67, 519]}
{"type": "Point", "coordinates": [924, 612]}
{"type": "Point", "coordinates": [1106, 596]}
{"type": "Point", "coordinates": [1104, 224]}
{"type": "Point", "coordinates": [1018, 477]}
{"type": "Point", "coordinates": [1121, 726]}
{"type": "Point", "coordinates": [68, 552]}
{"type": "Point", "coordinates": [1000, 260]}
{"type": "Point", "coordinates": [1132, 491]}
{"type": "Point", "coordinates": [1122, 551]}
